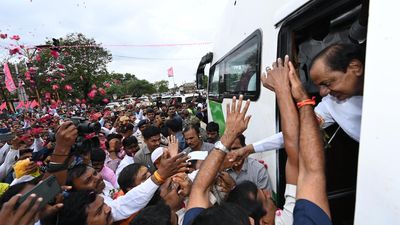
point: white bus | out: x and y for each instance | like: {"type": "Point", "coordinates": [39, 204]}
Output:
{"type": "Point", "coordinates": [362, 179]}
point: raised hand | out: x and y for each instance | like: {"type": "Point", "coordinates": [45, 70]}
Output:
{"type": "Point", "coordinates": [297, 89]}
{"type": "Point", "coordinates": [65, 137]}
{"type": "Point", "coordinates": [236, 120]}
{"type": "Point", "coordinates": [277, 77]}
{"type": "Point", "coordinates": [171, 165]}
{"type": "Point", "coordinates": [173, 145]}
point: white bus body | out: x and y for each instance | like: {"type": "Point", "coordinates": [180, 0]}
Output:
{"type": "Point", "coordinates": [275, 28]}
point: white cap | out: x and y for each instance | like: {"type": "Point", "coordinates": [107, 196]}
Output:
{"type": "Point", "coordinates": [197, 155]}
{"type": "Point", "coordinates": [157, 153]}
{"type": "Point", "coordinates": [24, 178]}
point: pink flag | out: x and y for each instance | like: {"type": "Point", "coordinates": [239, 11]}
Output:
{"type": "Point", "coordinates": [34, 104]}
{"type": "Point", "coordinates": [20, 105]}
{"type": "Point", "coordinates": [9, 81]}
{"type": "Point", "coordinates": [170, 72]}
{"type": "Point", "coordinates": [3, 106]}
{"type": "Point", "coordinates": [27, 104]}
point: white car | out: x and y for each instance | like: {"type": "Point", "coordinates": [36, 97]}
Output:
{"type": "Point", "coordinates": [111, 105]}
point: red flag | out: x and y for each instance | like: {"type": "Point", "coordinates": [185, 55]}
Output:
{"type": "Point", "coordinates": [9, 81]}
{"type": "Point", "coordinates": [170, 72]}
{"type": "Point", "coordinates": [3, 106]}
{"type": "Point", "coordinates": [34, 104]}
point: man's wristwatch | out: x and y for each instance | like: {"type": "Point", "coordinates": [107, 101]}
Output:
{"type": "Point", "coordinates": [218, 145]}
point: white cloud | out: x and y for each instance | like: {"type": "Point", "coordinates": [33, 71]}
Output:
{"type": "Point", "coordinates": [124, 22]}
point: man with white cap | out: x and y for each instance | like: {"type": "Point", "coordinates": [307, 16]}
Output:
{"type": "Point", "coordinates": [156, 155]}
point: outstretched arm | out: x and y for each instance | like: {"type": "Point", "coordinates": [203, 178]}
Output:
{"type": "Point", "coordinates": [278, 80]}
{"type": "Point", "coordinates": [311, 184]}
{"type": "Point", "coordinates": [236, 123]}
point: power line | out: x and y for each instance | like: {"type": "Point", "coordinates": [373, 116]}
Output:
{"type": "Point", "coordinates": [145, 58]}
{"type": "Point", "coordinates": [127, 45]}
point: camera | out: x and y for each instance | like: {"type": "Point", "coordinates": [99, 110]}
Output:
{"type": "Point", "coordinates": [84, 144]}
{"type": "Point", "coordinates": [84, 126]}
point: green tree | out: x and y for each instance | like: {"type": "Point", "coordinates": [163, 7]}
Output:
{"type": "Point", "coordinates": [140, 87]}
{"type": "Point", "coordinates": [79, 62]}
{"type": "Point", "coordinates": [161, 86]}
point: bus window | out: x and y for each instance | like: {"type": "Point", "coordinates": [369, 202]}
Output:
{"type": "Point", "coordinates": [213, 90]}
{"type": "Point", "coordinates": [239, 71]}
{"type": "Point", "coordinates": [241, 68]}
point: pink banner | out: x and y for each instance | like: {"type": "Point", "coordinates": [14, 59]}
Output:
{"type": "Point", "coordinates": [8, 79]}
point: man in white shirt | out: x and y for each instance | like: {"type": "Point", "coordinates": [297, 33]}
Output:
{"type": "Point", "coordinates": [83, 178]}
{"type": "Point", "coordinates": [3, 152]}
{"type": "Point", "coordinates": [21, 142]}
{"type": "Point", "coordinates": [338, 70]}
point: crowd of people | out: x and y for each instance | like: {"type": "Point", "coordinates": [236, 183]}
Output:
{"type": "Point", "coordinates": [166, 164]}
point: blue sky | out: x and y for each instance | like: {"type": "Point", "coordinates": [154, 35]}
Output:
{"type": "Point", "coordinates": [124, 22]}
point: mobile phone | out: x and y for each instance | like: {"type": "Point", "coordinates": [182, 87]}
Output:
{"type": "Point", "coordinates": [47, 189]}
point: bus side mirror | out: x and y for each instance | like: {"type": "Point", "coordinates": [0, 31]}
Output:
{"type": "Point", "coordinates": [200, 70]}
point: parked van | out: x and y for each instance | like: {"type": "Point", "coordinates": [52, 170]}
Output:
{"type": "Point", "coordinates": [254, 33]}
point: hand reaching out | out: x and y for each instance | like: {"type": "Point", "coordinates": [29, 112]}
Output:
{"type": "Point", "coordinates": [236, 120]}
{"type": "Point", "coordinates": [173, 145]}
{"type": "Point", "coordinates": [185, 184]}
{"type": "Point", "coordinates": [297, 89]}
{"type": "Point", "coordinates": [226, 182]}
{"type": "Point", "coordinates": [277, 78]}
{"type": "Point", "coordinates": [171, 165]}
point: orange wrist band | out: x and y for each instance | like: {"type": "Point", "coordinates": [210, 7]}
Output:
{"type": "Point", "coordinates": [306, 102]}
{"type": "Point", "coordinates": [158, 177]}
